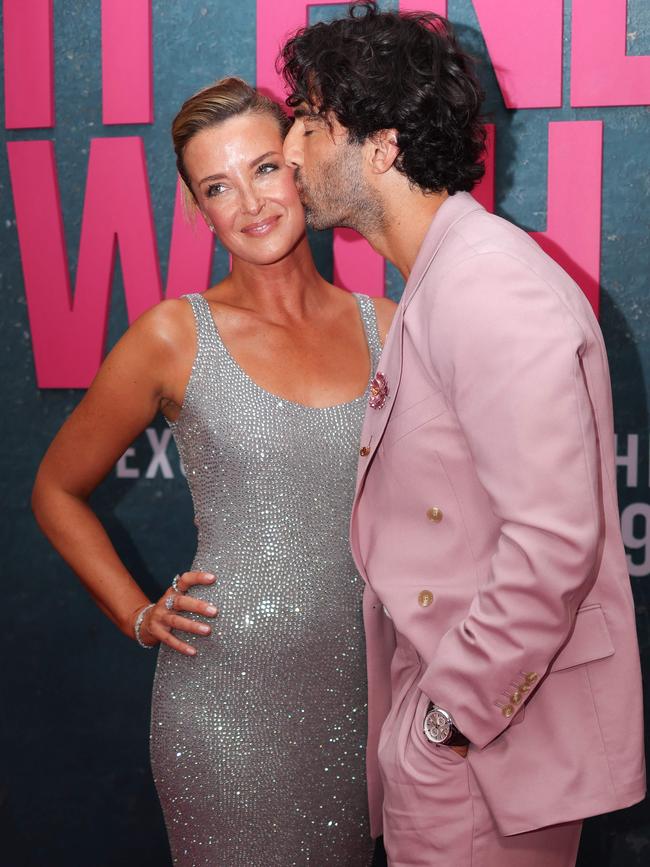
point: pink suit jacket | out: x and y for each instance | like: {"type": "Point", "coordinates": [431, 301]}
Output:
{"type": "Point", "coordinates": [513, 592]}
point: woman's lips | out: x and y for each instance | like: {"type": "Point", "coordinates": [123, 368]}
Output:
{"type": "Point", "coordinates": [262, 227]}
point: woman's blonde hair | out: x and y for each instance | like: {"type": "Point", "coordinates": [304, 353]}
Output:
{"type": "Point", "coordinates": [212, 105]}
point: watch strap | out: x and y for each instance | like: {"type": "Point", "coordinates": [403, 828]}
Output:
{"type": "Point", "coordinates": [456, 738]}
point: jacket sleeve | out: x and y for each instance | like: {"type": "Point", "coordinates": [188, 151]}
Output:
{"type": "Point", "coordinates": [509, 350]}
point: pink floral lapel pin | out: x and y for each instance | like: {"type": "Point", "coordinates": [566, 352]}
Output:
{"type": "Point", "coordinates": [378, 391]}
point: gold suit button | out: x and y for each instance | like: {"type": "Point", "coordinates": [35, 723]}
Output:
{"type": "Point", "coordinates": [531, 677]}
{"type": "Point", "coordinates": [364, 451]}
{"type": "Point", "coordinates": [516, 696]}
{"type": "Point", "coordinates": [507, 710]}
{"type": "Point", "coordinates": [523, 687]}
{"type": "Point", "coordinates": [434, 514]}
{"type": "Point", "coordinates": [425, 598]}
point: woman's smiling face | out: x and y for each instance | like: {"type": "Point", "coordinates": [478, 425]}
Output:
{"type": "Point", "coordinates": [244, 188]}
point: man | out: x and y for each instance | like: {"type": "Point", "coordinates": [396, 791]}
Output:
{"type": "Point", "coordinates": [505, 693]}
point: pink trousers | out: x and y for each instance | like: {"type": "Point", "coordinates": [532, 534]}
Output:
{"type": "Point", "coordinates": [434, 813]}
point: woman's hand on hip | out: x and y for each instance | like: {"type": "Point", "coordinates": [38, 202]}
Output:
{"type": "Point", "coordinates": [167, 614]}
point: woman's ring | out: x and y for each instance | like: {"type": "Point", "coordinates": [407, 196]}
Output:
{"type": "Point", "coordinates": [169, 603]}
{"type": "Point", "coordinates": [175, 582]}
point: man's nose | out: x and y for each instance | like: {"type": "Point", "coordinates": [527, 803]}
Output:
{"type": "Point", "coordinates": [291, 149]}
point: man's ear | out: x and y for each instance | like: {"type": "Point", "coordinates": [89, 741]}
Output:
{"type": "Point", "coordinates": [383, 150]}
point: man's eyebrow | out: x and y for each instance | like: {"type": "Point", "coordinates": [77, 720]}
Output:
{"type": "Point", "coordinates": [306, 113]}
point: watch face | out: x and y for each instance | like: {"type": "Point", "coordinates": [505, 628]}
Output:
{"type": "Point", "coordinates": [437, 726]}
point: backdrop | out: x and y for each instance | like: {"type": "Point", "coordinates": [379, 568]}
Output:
{"type": "Point", "coordinates": [91, 235]}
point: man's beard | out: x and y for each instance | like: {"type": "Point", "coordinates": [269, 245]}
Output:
{"type": "Point", "coordinates": [341, 197]}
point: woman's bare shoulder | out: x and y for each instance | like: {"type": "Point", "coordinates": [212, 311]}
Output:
{"type": "Point", "coordinates": [159, 342]}
{"type": "Point", "coordinates": [166, 324]}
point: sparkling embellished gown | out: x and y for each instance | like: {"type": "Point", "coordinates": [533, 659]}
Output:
{"type": "Point", "coordinates": [257, 742]}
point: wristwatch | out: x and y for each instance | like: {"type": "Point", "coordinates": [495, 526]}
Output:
{"type": "Point", "coordinates": [439, 728]}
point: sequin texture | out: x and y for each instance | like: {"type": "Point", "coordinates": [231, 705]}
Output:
{"type": "Point", "coordinates": [257, 742]}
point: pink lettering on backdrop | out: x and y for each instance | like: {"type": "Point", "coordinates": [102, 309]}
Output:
{"type": "Point", "coordinates": [190, 253]}
{"type": "Point", "coordinates": [573, 224]}
{"type": "Point", "coordinates": [601, 72]}
{"type": "Point", "coordinates": [127, 61]}
{"type": "Point", "coordinates": [525, 45]}
{"type": "Point", "coordinates": [356, 265]}
{"type": "Point", "coordinates": [28, 63]}
{"type": "Point", "coordinates": [68, 334]}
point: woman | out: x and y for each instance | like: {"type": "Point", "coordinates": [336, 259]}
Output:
{"type": "Point", "coordinates": [258, 718]}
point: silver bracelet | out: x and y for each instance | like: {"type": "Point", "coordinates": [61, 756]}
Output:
{"type": "Point", "coordinates": [138, 625]}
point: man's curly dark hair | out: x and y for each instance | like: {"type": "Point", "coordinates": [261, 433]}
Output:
{"type": "Point", "coordinates": [385, 70]}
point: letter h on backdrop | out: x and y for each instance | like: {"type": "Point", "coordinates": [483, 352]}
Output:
{"type": "Point", "coordinates": [524, 40]}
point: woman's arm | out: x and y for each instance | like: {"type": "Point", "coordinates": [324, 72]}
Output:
{"type": "Point", "coordinates": [150, 365]}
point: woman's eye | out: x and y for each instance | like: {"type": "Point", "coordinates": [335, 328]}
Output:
{"type": "Point", "coordinates": [214, 190]}
{"type": "Point", "coordinates": [267, 168]}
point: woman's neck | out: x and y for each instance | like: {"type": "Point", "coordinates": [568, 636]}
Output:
{"type": "Point", "coordinates": [289, 289]}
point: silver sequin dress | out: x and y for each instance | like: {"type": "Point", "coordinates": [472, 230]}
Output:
{"type": "Point", "coordinates": [257, 742]}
